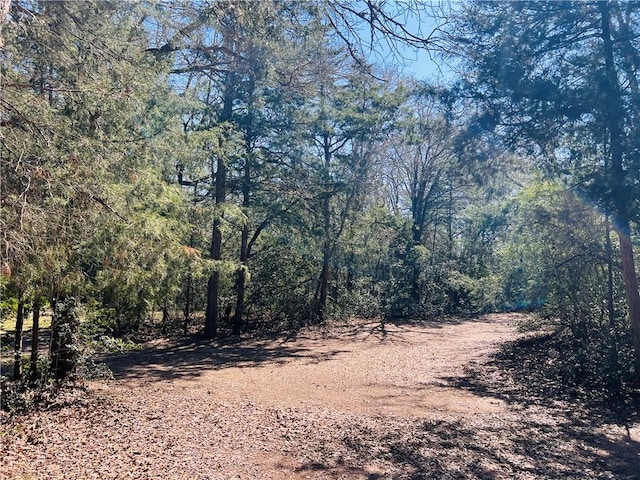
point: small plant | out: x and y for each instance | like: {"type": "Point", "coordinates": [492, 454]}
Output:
{"type": "Point", "coordinates": [8, 308]}
{"type": "Point", "coordinates": [23, 396]}
{"type": "Point", "coordinates": [89, 369]}
{"type": "Point", "coordinates": [108, 344]}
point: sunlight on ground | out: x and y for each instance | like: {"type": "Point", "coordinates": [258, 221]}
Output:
{"type": "Point", "coordinates": [8, 324]}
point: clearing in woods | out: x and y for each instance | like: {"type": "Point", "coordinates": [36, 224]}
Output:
{"type": "Point", "coordinates": [422, 400]}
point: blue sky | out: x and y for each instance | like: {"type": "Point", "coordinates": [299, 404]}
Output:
{"type": "Point", "coordinates": [422, 64]}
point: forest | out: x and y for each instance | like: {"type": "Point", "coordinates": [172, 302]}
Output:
{"type": "Point", "coordinates": [219, 170]}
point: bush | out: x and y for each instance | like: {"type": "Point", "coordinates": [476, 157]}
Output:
{"type": "Point", "coordinates": [594, 364]}
{"type": "Point", "coordinates": [556, 262]}
{"type": "Point", "coordinates": [8, 306]}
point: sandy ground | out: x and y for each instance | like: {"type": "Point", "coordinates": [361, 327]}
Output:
{"type": "Point", "coordinates": [354, 401]}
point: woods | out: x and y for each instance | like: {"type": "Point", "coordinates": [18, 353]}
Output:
{"type": "Point", "coordinates": [232, 167]}
{"type": "Point", "coordinates": [258, 239]}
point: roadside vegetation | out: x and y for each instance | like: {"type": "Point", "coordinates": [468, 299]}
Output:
{"type": "Point", "coordinates": [224, 171]}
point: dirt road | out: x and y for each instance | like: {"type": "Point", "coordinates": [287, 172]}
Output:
{"type": "Point", "coordinates": [355, 401]}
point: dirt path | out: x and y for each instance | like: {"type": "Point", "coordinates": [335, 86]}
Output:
{"type": "Point", "coordinates": [350, 402]}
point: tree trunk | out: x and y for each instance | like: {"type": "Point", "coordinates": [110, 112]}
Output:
{"type": "Point", "coordinates": [213, 286]}
{"type": "Point", "coordinates": [241, 281]}
{"type": "Point", "coordinates": [614, 377]}
{"type": "Point", "coordinates": [241, 274]}
{"type": "Point", "coordinates": [631, 290]}
{"type": "Point", "coordinates": [166, 318]}
{"type": "Point", "coordinates": [322, 292]}
{"type": "Point", "coordinates": [613, 109]}
{"type": "Point", "coordinates": [240, 294]}
{"type": "Point", "coordinates": [187, 305]}
{"type": "Point", "coordinates": [219, 170]}
{"type": "Point", "coordinates": [610, 299]}
{"type": "Point", "coordinates": [450, 224]}
{"type": "Point", "coordinates": [212, 314]}
{"type": "Point", "coordinates": [63, 353]}
{"type": "Point", "coordinates": [189, 286]}
{"type": "Point", "coordinates": [17, 351]}
{"type": "Point", "coordinates": [323, 287]}
{"type": "Point", "coordinates": [211, 318]}
{"type": "Point", "coordinates": [350, 272]}
{"type": "Point", "coordinates": [35, 339]}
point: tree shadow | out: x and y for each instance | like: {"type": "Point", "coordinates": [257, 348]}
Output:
{"type": "Point", "coordinates": [190, 357]}
{"type": "Point", "coordinates": [528, 372]}
{"type": "Point", "coordinates": [7, 341]}
{"type": "Point", "coordinates": [385, 330]}
{"type": "Point", "coordinates": [549, 431]}
{"type": "Point", "coordinates": [534, 448]}
{"type": "Point", "coordinates": [361, 330]}
{"type": "Point", "coordinates": [575, 442]}
{"type": "Point", "coordinates": [393, 329]}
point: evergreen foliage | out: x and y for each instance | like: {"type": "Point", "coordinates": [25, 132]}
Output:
{"type": "Point", "coordinates": [229, 166]}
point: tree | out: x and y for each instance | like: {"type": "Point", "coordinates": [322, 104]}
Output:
{"type": "Point", "coordinates": [75, 82]}
{"type": "Point", "coordinates": [229, 58]}
{"type": "Point", "coordinates": [236, 55]}
{"type": "Point", "coordinates": [554, 259]}
{"type": "Point", "coordinates": [272, 51]}
{"type": "Point", "coordinates": [350, 113]}
{"type": "Point", "coordinates": [559, 80]}
{"type": "Point", "coordinates": [421, 161]}
{"type": "Point", "coordinates": [202, 49]}
{"type": "Point", "coordinates": [364, 26]}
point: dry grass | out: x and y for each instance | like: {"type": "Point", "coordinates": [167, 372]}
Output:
{"type": "Point", "coordinates": [8, 323]}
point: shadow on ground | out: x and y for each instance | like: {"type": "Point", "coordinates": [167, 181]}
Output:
{"type": "Point", "coordinates": [383, 330]}
{"type": "Point", "coordinates": [186, 356]}
{"type": "Point", "coordinates": [547, 432]}
{"type": "Point", "coordinates": [544, 434]}
{"type": "Point", "coordinates": [190, 357]}
{"type": "Point", "coordinates": [529, 372]}
{"type": "Point", "coordinates": [550, 430]}
{"type": "Point", "coordinates": [532, 449]}
{"type": "Point", "coordinates": [566, 431]}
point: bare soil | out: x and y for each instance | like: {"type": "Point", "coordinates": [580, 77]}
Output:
{"type": "Point", "coordinates": [354, 401]}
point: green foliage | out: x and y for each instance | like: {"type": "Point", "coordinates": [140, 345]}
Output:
{"type": "Point", "coordinates": [554, 262]}
{"type": "Point", "coordinates": [555, 253]}
{"type": "Point", "coordinates": [89, 369]}
{"type": "Point", "coordinates": [149, 148]}
{"type": "Point", "coordinates": [96, 220]}
{"type": "Point", "coordinates": [15, 397]}
{"type": "Point", "coordinates": [8, 306]}
{"type": "Point", "coordinates": [551, 365]}
{"type": "Point", "coordinates": [64, 347]}
{"type": "Point", "coordinates": [19, 398]}
{"type": "Point", "coordinates": [544, 88]}
{"type": "Point", "coordinates": [283, 280]}
{"type": "Point", "coordinates": [423, 285]}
